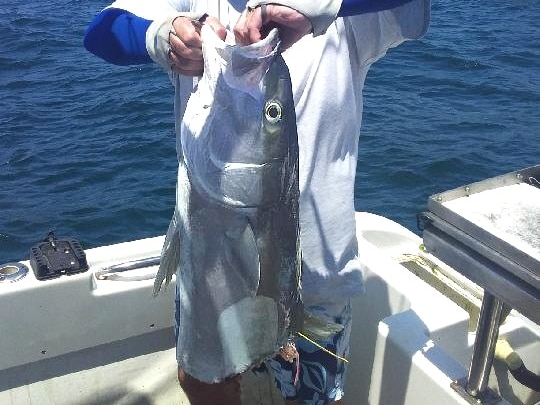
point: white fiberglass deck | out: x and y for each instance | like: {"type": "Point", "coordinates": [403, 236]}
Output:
{"type": "Point", "coordinates": [81, 340]}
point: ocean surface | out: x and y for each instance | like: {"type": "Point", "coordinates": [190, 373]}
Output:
{"type": "Point", "coordinates": [87, 148]}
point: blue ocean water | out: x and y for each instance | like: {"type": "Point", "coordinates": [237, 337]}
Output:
{"type": "Point", "coordinates": [87, 148]}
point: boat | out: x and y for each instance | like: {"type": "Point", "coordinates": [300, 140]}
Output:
{"type": "Point", "coordinates": [99, 337]}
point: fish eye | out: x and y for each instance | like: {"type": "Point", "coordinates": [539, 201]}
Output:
{"type": "Point", "coordinates": [273, 112]}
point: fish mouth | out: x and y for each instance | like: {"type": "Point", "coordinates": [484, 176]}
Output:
{"type": "Point", "coordinates": [254, 50]}
{"type": "Point", "coordinates": [249, 63]}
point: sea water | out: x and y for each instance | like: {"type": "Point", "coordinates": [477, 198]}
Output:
{"type": "Point", "coordinates": [87, 148]}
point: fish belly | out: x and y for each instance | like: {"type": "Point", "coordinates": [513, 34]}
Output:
{"type": "Point", "coordinates": [238, 285]}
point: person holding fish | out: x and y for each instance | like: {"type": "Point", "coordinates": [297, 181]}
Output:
{"type": "Point", "coordinates": [268, 108]}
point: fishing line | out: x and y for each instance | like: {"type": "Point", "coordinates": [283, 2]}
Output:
{"type": "Point", "coordinates": [324, 349]}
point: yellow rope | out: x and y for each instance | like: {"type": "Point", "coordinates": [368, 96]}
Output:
{"type": "Point", "coordinates": [322, 348]}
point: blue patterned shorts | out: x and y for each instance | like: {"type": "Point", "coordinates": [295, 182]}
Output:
{"type": "Point", "coordinates": [322, 376]}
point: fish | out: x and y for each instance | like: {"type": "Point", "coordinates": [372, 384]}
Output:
{"type": "Point", "coordinates": [234, 239]}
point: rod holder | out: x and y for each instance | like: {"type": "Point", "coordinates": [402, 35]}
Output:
{"type": "Point", "coordinates": [487, 334]}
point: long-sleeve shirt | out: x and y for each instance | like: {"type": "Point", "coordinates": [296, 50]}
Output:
{"type": "Point", "coordinates": [327, 73]}
{"type": "Point", "coordinates": [118, 36]}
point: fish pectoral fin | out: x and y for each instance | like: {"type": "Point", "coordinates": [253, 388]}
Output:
{"type": "Point", "coordinates": [170, 256]}
{"type": "Point", "coordinates": [245, 249]}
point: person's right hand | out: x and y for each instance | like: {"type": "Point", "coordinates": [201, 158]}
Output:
{"type": "Point", "coordinates": [185, 44]}
{"type": "Point", "coordinates": [255, 23]}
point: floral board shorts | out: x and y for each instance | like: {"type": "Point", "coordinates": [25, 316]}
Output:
{"type": "Point", "coordinates": [322, 376]}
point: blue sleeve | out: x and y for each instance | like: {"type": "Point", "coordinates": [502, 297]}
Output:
{"type": "Point", "coordinates": [354, 7]}
{"type": "Point", "coordinates": [118, 37]}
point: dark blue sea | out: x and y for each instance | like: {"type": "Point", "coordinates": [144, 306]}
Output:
{"type": "Point", "coordinates": [87, 148]}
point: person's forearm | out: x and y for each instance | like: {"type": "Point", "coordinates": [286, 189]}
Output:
{"type": "Point", "coordinates": [118, 37]}
{"type": "Point", "coordinates": [354, 7]}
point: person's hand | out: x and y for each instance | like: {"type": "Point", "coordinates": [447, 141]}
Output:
{"type": "Point", "coordinates": [185, 44]}
{"type": "Point", "coordinates": [255, 23]}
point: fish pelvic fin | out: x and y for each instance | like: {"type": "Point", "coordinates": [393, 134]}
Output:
{"type": "Point", "coordinates": [318, 328]}
{"type": "Point", "coordinates": [170, 256]}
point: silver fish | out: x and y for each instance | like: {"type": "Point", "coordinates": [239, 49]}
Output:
{"type": "Point", "coordinates": [234, 239]}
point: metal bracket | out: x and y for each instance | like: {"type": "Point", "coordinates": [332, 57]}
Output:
{"type": "Point", "coordinates": [486, 397]}
{"type": "Point", "coordinates": [113, 273]}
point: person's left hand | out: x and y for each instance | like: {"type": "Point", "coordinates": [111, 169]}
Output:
{"type": "Point", "coordinates": [255, 23]}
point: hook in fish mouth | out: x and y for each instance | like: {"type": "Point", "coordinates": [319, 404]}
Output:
{"type": "Point", "coordinates": [273, 111]}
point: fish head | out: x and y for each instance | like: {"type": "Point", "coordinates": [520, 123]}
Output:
{"type": "Point", "coordinates": [255, 95]}
{"type": "Point", "coordinates": [245, 140]}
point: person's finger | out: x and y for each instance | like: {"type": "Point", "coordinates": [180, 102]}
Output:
{"type": "Point", "coordinates": [248, 27]}
{"type": "Point", "coordinates": [254, 25]}
{"type": "Point", "coordinates": [183, 63]}
{"type": "Point", "coordinates": [188, 68]}
{"type": "Point", "coordinates": [216, 25]}
{"type": "Point", "coordinates": [239, 28]}
{"type": "Point", "coordinates": [185, 60]}
{"type": "Point", "coordinates": [188, 31]}
{"type": "Point", "coordinates": [179, 48]}
{"type": "Point", "coordinates": [191, 73]}
{"type": "Point", "coordinates": [180, 64]}
{"type": "Point", "coordinates": [185, 47]}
